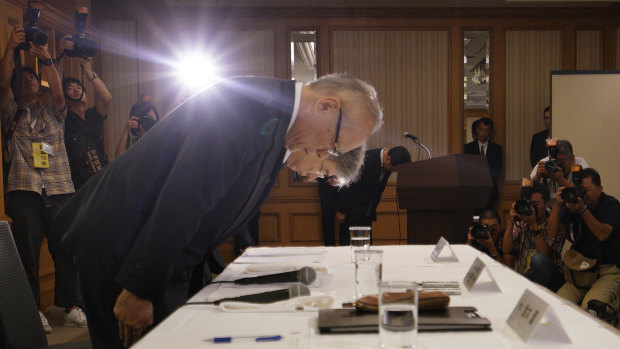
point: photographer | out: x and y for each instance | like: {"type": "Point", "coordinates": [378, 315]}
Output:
{"type": "Point", "coordinates": [84, 132]}
{"type": "Point", "coordinates": [562, 176]}
{"type": "Point", "coordinates": [39, 182]}
{"type": "Point", "coordinates": [489, 242]}
{"type": "Point", "coordinates": [527, 245]}
{"type": "Point", "coordinates": [595, 219]}
{"type": "Point", "coordinates": [142, 117]}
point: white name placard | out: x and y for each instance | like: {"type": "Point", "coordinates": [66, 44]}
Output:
{"type": "Point", "coordinates": [441, 244]}
{"type": "Point", "coordinates": [471, 278]}
{"type": "Point", "coordinates": [533, 318]}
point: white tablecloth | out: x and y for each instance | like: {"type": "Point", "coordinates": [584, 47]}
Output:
{"type": "Point", "coordinates": [189, 326]}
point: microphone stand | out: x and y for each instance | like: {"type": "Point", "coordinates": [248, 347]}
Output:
{"type": "Point", "coordinates": [417, 140]}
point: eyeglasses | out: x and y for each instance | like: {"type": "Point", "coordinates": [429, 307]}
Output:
{"type": "Point", "coordinates": [334, 152]}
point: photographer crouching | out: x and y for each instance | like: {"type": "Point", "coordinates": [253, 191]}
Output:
{"type": "Point", "coordinates": [527, 244]}
{"type": "Point", "coordinates": [486, 234]}
{"type": "Point", "coordinates": [591, 265]}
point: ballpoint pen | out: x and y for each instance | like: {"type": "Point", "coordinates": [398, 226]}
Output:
{"type": "Point", "coordinates": [252, 338]}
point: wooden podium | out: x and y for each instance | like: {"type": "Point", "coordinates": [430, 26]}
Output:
{"type": "Point", "coordinates": [441, 194]}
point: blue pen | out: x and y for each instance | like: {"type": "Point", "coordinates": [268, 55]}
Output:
{"type": "Point", "coordinates": [256, 339]}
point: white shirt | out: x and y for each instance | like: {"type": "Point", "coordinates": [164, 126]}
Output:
{"type": "Point", "coordinates": [578, 161]}
{"type": "Point", "coordinates": [483, 147]}
{"type": "Point", "coordinates": [298, 86]}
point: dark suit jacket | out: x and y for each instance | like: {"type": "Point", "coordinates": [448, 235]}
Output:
{"type": "Point", "coordinates": [198, 176]}
{"type": "Point", "coordinates": [361, 198]}
{"type": "Point", "coordinates": [538, 148]}
{"type": "Point", "coordinates": [494, 159]}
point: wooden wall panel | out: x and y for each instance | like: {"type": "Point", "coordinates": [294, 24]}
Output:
{"type": "Point", "coordinates": [269, 227]}
{"type": "Point", "coordinates": [589, 50]}
{"type": "Point", "coordinates": [409, 69]}
{"type": "Point", "coordinates": [305, 226]}
{"type": "Point", "coordinates": [530, 57]}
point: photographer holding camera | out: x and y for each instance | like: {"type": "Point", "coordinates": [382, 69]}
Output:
{"type": "Point", "coordinates": [84, 132]}
{"type": "Point", "coordinates": [39, 179]}
{"type": "Point", "coordinates": [554, 171]}
{"type": "Point", "coordinates": [595, 220]}
{"type": "Point", "coordinates": [486, 235]}
{"type": "Point", "coordinates": [142, 117]}
{"type": "Point", "coordinates": [527, 245]}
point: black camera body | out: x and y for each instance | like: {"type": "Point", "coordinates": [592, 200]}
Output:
{"type": "Point", "coordinates": [83, 46]}
{"type": "Point", "coordinates": [525, 207]}
{"type": "Point", "coordinates": [552, 165]}
{"type": "Point", "coordinates": [140, 110]}
{"type": "Point", "coordinates": [572, 194]}
{"type": "Point", "coordinates": [481, 231]}
{"type": "Point", "coordinates": [33, 34]}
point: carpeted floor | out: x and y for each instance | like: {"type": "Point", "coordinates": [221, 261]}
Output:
{"type": "Point", "coordinates": [61, 334]}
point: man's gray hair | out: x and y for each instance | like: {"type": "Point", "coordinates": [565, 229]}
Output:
{"type": "Point", "coordinates": [348, 165]}
{"type": "Point", "coordinates": [564, 147]}
{"type": "Point", "coordinates": [353, 94]}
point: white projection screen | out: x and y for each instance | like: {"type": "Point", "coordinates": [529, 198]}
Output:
{"type": "Point", "coordinates": [585, 109]}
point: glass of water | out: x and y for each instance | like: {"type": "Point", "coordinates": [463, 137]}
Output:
{"type": "Point", "coordinates": [368, 270]}
{"type": "Point", "coordinates": [360, 239]}
{"type": "Point", "coordinates": [398, 314]}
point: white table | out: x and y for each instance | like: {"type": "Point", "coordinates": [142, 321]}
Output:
{"type": "Point", "coordinates": [190, 325]}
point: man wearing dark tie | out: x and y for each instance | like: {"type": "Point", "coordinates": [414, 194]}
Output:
{"type": "Point", "coordinates": [490, 150]}
{"type": "Point", "coordinates": [357, 204]}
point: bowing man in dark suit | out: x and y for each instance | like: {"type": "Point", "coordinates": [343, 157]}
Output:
{"type": "Point", "coordinates": [357, 204]}
{"type": "Point", "coordinates": [492, 151]}
{"type": "Point", "coordinates": [538, 147]}
{"type": "Point", "coordinates": [137, 229]}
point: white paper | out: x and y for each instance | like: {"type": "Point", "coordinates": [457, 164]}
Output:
{"type": "Point", "coordinates": [471, 278]}
{"type": "Point", "coordinates": [436, 254]}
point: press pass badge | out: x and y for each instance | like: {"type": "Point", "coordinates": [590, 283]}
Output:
{"type": "Point", "coordinates": [47, 149]}
{"type": "Point", "coordinates": [39, 156]}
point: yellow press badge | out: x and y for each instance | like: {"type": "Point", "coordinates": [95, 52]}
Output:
{"type": "Point", "coordinates": [39, 156]}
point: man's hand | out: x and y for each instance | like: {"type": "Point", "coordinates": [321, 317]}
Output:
{"type": "Point", "coordinates": [65, 43]}
{"type": "Point", "coordinates": [134, 315]}
{"type": "Point", "coordinates": [470, 237]}
{"type": "Point", "coordinates": [40, 52]}
{"type": "Point", "coordinates": [576, 207]}
{"type": "Point", "coordinates": [18, 36]}
{"type": "Point", "coordinates": [132, 122]}
{"type": "Point", "coordinates": [340, 217]}
{"type": "Point", "coordinates": [556, 176]}
{"type": "Point", "coordinates": [87, 63]}
{"type": "Point", "coordinates": [540, 170]}
{"type": "Point", "coordinates": [530, 220]}
{"type": "Point", "coordinates": [488, 244]}
{"type": "Point", "coordinates": [558, 196]}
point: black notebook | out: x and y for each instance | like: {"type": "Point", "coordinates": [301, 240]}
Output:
{"type": "Point", "coordinates": [350, 320]}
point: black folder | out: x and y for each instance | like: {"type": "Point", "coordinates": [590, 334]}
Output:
{"type": "Point", "coordinates": [350, 320]}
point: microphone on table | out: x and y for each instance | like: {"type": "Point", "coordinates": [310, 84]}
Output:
{"type": "Point", "coordinates": [305, 275]}
{"type": "Point", "coordinates": [271, 296]}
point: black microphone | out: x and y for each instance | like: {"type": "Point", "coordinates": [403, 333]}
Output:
{"type": "Point", "coordinates": [412, 137]}
{"type": "Point", "coordinates": [305, 275]}
{"type": "Point", "coordinates": [271, 296]}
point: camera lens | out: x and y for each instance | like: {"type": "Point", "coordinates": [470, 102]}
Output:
{"type": "Point", "coordinates": [480, 231]}
{"type": "Point", "coordinates": [523, 207]}
{"type": "Point", "coordinates": [570, 195]}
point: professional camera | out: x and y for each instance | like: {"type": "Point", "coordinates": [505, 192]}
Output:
{"type": "Point", "coordinates": [83, 46]}
{"type": "Point", "coordinates": [33, 34]}
{"type": "Point", "coordinates": [553, 164]}
{"type": "Point", "coordinates": [572, 194]}
{"type": "Point", "coordinates": [480, 231]}
{"type": "Point", "coordinates": [141, 109]}
{"type": "Point", "coordinates": [525, 207]}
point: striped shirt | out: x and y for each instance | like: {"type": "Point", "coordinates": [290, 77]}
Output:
{"type": "Point", "coordinates": [523, 243]}
{"type": "Point", "coordinates": [38, 123]}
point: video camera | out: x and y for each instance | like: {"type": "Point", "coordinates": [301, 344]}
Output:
{"type": "Point", "coordinates": [33, 34]}
{"type": "Point", "coordinates": [572, 194]}
{"type": "Point", "coordinates": [553, 164]}
{"type": "Point", "coordinates": [480, 231]}
{"type": "Point", "coordinates": [83, 46]}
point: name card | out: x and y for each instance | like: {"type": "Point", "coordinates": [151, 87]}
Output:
{"type": "Point", "coordinates": [439, 247]}
{"type": "Point", "coordinates": [533, 318]}
{"type": "Point", "coordinates": [471, 278]}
